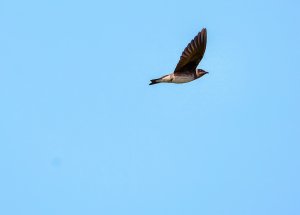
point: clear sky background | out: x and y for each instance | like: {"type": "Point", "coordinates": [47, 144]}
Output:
{"type": "Point", "coordinates": [82, 132]}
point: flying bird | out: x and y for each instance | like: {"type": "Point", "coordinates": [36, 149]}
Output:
{"type": "Point", "coordinates": [185, 70]}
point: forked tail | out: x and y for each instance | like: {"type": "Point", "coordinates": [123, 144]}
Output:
{"type": "Point", "coordinates": [155, 81]}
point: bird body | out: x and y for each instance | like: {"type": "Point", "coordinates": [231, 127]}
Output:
{"type": "Point", "coordinates": [171, 78]}
{"type": "Point", "coordinates": [185, 70]}
{"type": "Point", "coordinates": [179, 78]}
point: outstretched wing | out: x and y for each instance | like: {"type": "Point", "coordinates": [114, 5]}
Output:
{"type": "Point", "coordinates": [192, 54]}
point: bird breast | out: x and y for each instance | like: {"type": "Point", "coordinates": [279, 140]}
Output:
{"type": "Point", "coordinates": [183, 78]}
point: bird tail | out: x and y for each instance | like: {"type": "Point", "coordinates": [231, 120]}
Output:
{"type": "Point", "coordinates": [155, 81]}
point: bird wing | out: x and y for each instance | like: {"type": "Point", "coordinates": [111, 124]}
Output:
{"type": "Point", "coordinates": [193, 53]}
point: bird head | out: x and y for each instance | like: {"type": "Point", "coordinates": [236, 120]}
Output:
{"type": "Point", "coordinates": [200, 73]}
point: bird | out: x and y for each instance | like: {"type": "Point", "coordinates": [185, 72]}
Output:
{"type": "Point", "coordinates": [186, 69]}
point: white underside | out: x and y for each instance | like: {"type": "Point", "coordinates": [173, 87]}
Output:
{"type": "Point", "coordinates": [182, 79]}
{"type": "Point", "coordinates": [177, 79]}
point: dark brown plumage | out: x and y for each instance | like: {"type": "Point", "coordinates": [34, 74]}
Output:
{"type": "Point", "coordinates": [185, 70]}
{"type": "Point", "coordinates": [193, 53]}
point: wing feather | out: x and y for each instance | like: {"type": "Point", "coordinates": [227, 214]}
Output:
{"type": "Point", "coordinates": [193, 53]}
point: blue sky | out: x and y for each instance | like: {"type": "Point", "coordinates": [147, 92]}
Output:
{"type": "Point", "coordinates": [83, 133]}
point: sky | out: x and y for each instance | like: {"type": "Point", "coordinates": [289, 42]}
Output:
{"type": "Point", "coordinates": [82, 132]}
